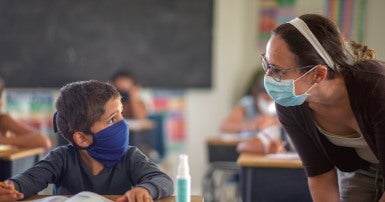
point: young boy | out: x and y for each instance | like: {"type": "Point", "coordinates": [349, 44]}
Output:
{"type": "Point", "coordinates": [89, 116]}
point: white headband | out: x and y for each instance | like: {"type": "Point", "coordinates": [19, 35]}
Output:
{"type": "Point", "coordinates": [305, 31]}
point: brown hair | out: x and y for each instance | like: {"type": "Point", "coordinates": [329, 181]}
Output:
{"type": "Point", "coordinates": [80, 104]}
{"type": "Point", "coordinates": [331, 39]}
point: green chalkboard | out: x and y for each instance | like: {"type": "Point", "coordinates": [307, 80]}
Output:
{"type": "Point", "coordinates": [47, 43]}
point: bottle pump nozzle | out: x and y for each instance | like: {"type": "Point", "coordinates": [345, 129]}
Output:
{"type": "Point", "coordinates": [183, 168]}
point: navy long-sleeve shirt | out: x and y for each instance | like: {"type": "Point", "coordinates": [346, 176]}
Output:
{"type": "Point", "coordinates": [64, 168]}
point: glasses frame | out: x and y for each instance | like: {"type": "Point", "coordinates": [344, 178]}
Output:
{"type": "Point", "coordinates": [278, 71]}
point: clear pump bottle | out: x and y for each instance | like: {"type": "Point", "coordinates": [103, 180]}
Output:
{"type": "Point", "coordinates": [183, 184]}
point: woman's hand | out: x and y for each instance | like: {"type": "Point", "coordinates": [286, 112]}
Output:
{"type": "Point", "coordinates": [137, 194]}
{"type": "Point", "coordinates": [276, 147]}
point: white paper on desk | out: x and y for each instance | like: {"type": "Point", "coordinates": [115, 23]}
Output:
{"type": "Point", "coordinates": [51, 199]}
{"type": "Point", "coordinates": [84, 196]}
{"type": "Point", "coordinates": [285, 155]}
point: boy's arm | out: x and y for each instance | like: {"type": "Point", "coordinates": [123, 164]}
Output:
{"type": "Point", "coordinates": [38, 177]}
{"type": "Point", "coordinates": [145, 173]}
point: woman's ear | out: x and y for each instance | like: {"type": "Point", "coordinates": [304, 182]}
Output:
{"type": "Point", "coordinates": [321, 73]}
{"type": "Point", "coordinates": [81, 139]}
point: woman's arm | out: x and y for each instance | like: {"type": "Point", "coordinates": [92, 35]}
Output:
{"type": "Point", "coordinates": [255, 145]}
{"type": "Point", "coordinates": [235, 123]}
{"type": "Point", "coordinates": [18, 134]}
{"type": "Point", "coordinates": [324, 187]}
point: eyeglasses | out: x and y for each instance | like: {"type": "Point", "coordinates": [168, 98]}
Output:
{"type": "Point", "coordinates": [276, 72]}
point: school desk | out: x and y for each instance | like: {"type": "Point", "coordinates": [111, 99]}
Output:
{"type": "Point", "coordinates": [16, 160]}
{"type": "Point", "coordinates": [222, 173]}
{"type": "Point", "coordinates": [272, 179]}
{"type": "Point", "coordinates": [222, 148]}
{"type": "Point", "coordinates": [194, 198]}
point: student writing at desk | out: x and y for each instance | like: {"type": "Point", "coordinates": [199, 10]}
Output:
{"type": "Point", "coordinates": [89, 116]}
{"type": "Point", "coordinates": [254, 119]}
{"type": "Point", "coordinates": [330, 97]}
{"type": "Point", "coordinates": [133, 105]}
{"type": "Point", "coordinates": [15, 133]}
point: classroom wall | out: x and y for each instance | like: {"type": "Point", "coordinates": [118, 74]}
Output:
{"type": "Point", "coordinates": [234, 59]}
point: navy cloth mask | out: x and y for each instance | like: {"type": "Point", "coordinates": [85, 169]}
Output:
{"type": "Point", "coordinates": [110, 144]}
{"type": "Point", "coordinates": [283, 92]}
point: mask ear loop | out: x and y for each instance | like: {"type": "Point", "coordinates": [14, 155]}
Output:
{"type": "Point", "coordinates": [56, 129]}
{"type": "Point", "coordinates": [54, 122]}
{"type": "Point", "coordinates": [311, 87]}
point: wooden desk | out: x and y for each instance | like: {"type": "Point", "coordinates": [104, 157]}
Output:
{"type": "Point", "coordinates": [268, 179]}
{"type": "Point", "coordinates": [114, 197]}
{"type": "Point", "coordinates": [222, 149]}
{"type": "Point", "coordinates": [256, 160]}
{"type": "Point", "coordinates": [17, 160]}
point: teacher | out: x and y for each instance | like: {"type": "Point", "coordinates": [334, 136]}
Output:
{"type": "Point", "coordinates": [330, 98]}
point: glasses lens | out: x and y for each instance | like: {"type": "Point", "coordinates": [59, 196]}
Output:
{"type": "Point", "coordinates": [273, 71]}
{"type": "Point", "coordinates": [265, 65]}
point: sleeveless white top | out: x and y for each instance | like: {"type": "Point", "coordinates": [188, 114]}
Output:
{"type": "Point", "coordinates": [355, 140]}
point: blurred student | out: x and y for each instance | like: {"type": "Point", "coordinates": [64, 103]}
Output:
{"type": "Point", "coordinates": [99, 158]}
{"type": "Point", "coordinates": [254, 120]}
{"type": "Point", "coordinates": [133, 105]}
{"type": "Point", "coordinates": [15, 133]}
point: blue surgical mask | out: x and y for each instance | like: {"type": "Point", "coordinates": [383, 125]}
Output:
{"type": "Point", "coordinates": [283, 92]}
{"type": "Point", "coordinates": [110, 144]}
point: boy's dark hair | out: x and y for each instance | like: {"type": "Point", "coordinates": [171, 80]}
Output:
{"type": "Point", "coordinates": [80, 104]}
{"type": "Point", "coordinates": [122, 73]}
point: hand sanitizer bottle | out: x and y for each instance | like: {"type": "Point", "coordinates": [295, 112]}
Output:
{"type": "Point", "coordinates": [183, 184]}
